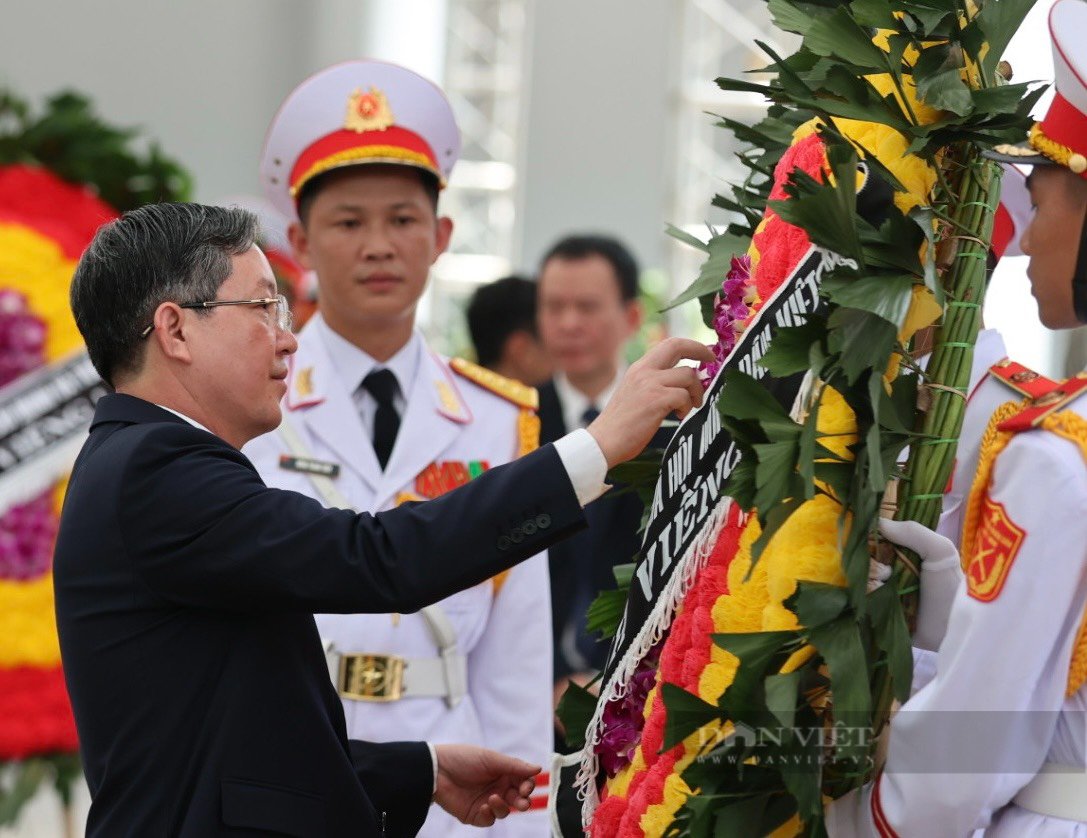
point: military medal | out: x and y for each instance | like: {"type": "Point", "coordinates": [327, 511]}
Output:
{"type": "Point", "coordinates": [438, 478]}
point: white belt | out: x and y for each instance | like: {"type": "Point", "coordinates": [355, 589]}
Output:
{"type": "Point", "coordinates": [1059, 791]}
{"type": "Point", "coordinates": [364, 676]}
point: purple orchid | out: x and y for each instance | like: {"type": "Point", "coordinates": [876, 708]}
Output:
{"type": "Point", "coordinates": [731, 307]}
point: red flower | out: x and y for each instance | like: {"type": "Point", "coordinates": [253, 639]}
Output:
{"type": "Point", "coordinates": [35, 715]}
{"type": "Point", "coordinates": [64, 212]}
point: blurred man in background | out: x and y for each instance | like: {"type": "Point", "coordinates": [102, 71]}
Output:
{"type": "Point", "coordinates": [502, 322]}
{"type": "Point", "coordinates": [588, 311]}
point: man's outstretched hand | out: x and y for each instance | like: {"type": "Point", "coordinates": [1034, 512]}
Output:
{"type": "Point", "coordinates": [652, 389]}
{"type": "Point", "coordinates": [477, 786]}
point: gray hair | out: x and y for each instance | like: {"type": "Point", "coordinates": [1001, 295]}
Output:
{"type": "Point", "coordinates": [158, 253]}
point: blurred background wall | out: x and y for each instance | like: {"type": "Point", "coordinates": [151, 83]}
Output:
{"type": "Point", "coordinates": [575, 115]}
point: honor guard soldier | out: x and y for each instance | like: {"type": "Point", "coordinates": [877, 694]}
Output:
{"type": "Point", "coordinates": [997, 740]}
{"type": "Point", "coordinates": [374, 417]}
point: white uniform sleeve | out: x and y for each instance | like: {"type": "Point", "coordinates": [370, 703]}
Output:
{"type": "Point", "coordinates": [509, 673]}
{"type": "Point", "coordinates": [963, 746]}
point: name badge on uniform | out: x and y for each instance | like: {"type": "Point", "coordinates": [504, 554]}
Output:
{"type": "Point", "coordinates": [306, 465]}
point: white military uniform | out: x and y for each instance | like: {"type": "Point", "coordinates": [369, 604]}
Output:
{"type": "Point", "coordinates": [964, 751]}
{"type": "Point", "coordinates": [502, 628]}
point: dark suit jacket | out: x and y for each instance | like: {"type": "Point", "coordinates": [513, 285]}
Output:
{"type": "Point", "coordinates": [581, 566]}
{"type": "Point", "coordinates": [184, 594]}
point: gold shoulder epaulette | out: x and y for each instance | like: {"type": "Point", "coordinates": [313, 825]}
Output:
{"type": "Point", "coordinates": [512, 391]}
{"type": "Point", "coordinates": [1045, 403]}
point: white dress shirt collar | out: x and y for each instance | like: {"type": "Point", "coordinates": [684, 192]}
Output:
{"type": "Point", "coordinates": [181, 415]}
{"type": "Point", "coordinates": [353, 365]}
{"type": "Point", "coordinates": [575, 403]}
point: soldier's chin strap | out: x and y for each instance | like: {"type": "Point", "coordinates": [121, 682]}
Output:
{"type": "Point", "coordinates": [1079, 277]}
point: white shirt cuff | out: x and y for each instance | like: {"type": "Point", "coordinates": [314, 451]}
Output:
{"type": "Point", "coordinates": [584, 463]}
{"type": "Point", "coordinates": [434, 760]}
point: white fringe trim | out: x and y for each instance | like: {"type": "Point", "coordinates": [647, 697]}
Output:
{"type": "Point", "coordinates": [658, 623]}
{"type": "Point", "coordinates": [655, 627]}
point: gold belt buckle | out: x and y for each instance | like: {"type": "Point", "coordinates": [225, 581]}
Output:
{"type": "Point", "coordinates": [371, 677]}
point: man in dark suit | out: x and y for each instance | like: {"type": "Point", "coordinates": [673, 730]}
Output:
{"type": "Point", "coordinates": [184, 586]}
{"type": "Point", "coordinates": [588, 311]}
{"type": "Point", "coordinates": [502, 324]}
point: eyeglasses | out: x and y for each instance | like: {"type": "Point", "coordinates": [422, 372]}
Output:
{"type": "Point", "coordinates": [284, 318]}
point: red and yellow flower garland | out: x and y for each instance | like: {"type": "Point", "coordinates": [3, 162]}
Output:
{"type": "Point", "coordinates": [45, 224]}
{"type": "Point", "coordinates": [641, 801]}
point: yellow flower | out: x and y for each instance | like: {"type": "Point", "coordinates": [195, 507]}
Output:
{"type": "Point", "coordinates": [58, 495]}
{"type": "Point", "coordinates": [35, 266]}
{"type": "Point", "coordinates": [619, 785]}
{"type": "Point", "coordinates": [836, 424]}
{"type": "Point", "coordinates": [716, 677]}
{"type": "Point", "coordinates": [658, 817]}
{"type": "Point", "coordinates": [923, 311]}
{"type": "Point", "coordinates": [28, 629]}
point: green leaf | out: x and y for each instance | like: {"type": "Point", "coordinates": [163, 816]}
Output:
{"type": "Point", "coordinates": [947, 91]}
{"type": "Point", "coordinates": [741, 819]}
{"type": "Point", "coordinates": [686, 714]}
{"type": "Point", "coordinates": [806, 447]}
{"type": "Point", "coordinates": [783, 696]}
{"type": "Point", "coordinates": [754, 645]}
{"type": "Point", "coordinates": [1000, 20]}
{"type": "Point", "coordinates": [855, 532]}
{"type": "Point", "coordinates": [839, 35]}
{"type": "Point", "coordinates": [892, 636]}
{"type": "Point", "coordinates": [790, 348]}
{"type": "Point", "coordinates": [742, 397]}
{"type": "Point", "coordinates": [898, 410]}
{"type": "Point", "coordinates": [888, 297]}
{"type": "Point", "coordinates": [789, 16]}
{"type": "Point", "coordinates": [839, 643]}
{"type": "Point", "coordinates": [69, 774]}
{"type": "Point", "coordinates": [740, 485]}
{"type": "Point", "coordinates": [29, 774]}
{"type": "Point", "coordinates": [682, 235]}
{"type": "Point", "coordinates": [816, 603]}
{"type": "Point", "coordinates": [776, 470]}
{"type": "Point", "coordinates": [1005, 98]}
{"type": "Point", "coordinates": [931, 15]}
{"type": "Point", "coordinates": [802, 775]}
{"type": "Point", "coordinates": [575, 711]}
{"type": "Point", "coordinates": [744, 700]}
{"type": "Point", "coordinates": [876, 14]}
{"type": "Point", "coordinates": [721, 248]}
{"type": "Point", "coordinates": [624, 573]}
{"type": "Point", "coordinates": [606, 612]}
{"type": "Point", "coordinates": [861, 339]}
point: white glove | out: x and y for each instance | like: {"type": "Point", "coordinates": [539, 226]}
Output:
{"type": "Point", "coordinates": [878, 573]}
{"type": "Point", "coordinates": [941, 573]}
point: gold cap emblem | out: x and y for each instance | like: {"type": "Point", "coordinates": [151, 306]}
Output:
{"type": "Point", "coordinates": [368, 111]}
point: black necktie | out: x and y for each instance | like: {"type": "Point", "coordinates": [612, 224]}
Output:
{"type": "Point", "coordinates": [381, 384]}
{"type": "Point", "coordinates": [589, 415]}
